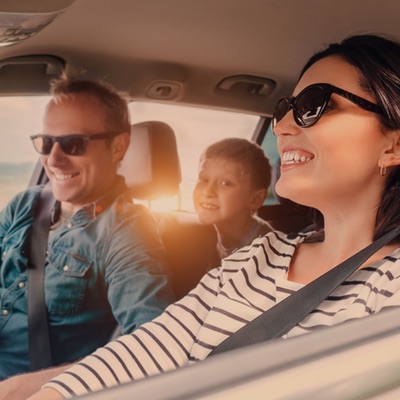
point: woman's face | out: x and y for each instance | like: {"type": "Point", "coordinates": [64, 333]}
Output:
{"type": "Point", "coordinates": [337, 159]}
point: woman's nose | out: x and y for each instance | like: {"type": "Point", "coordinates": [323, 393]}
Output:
{"type": "Point", "coordinates": [286, 125]}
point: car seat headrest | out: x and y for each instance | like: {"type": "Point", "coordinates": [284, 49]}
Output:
{"type": "Point", "coordinates": [151, 164]}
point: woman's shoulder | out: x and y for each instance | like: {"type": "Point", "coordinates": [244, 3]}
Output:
{"type": "Point", "coordinates": [287, 239]}
{"type": "Point", "coordinates": [276, 246]}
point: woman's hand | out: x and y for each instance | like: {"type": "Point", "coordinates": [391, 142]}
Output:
{"type": "Point", "coordinates": [46, 394]}
{"type": "Point", "coordinates": [20, 387]}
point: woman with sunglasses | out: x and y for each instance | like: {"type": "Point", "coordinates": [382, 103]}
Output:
{"type": "Point", "coordinates": [338, 138]}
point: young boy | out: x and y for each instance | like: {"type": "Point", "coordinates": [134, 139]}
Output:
{"type": "Point", "coordinates": [234, 176]}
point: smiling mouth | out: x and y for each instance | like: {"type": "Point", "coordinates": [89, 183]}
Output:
{"type": "Point", "coordinates": [294, 157]}
{"type": "Point", "coordinates": [64, 177]}
{"type": "Point", "coordinates": [209, 206]}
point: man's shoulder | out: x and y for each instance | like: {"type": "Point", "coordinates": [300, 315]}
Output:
{"type": "Point", "coordinates": [26, 197]}
{"type": "Point", "coordinates": [123, 209]}
{"type": "Point", "coordinates": [20, 207]}
{"type": "Point", "coordinates": [124, 203]}
{"type": "Point", "coordinates": [31, 191]}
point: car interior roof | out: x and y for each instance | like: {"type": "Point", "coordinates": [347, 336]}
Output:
{"type": "Point", "coordinates": [196, 44]}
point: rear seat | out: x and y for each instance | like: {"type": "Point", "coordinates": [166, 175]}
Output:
{"type": "Point", "coordinates": [190, 249]}
{"type": "Point", "coordinates": [286, 216]}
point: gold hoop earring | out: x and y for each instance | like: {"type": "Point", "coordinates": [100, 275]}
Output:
{"type": "Point", "coordinates": [382, 171]}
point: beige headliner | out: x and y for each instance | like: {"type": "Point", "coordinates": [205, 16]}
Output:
{"type": "Point", "coordinates": [196, 43]}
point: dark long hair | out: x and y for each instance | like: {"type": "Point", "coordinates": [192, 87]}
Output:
{"type": "Point", "coordinates": [378, 60]}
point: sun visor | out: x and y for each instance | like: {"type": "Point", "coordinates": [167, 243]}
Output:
{"type": "Point", "coordinates": [29, 75]}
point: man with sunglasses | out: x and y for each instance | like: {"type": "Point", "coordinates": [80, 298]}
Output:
{"type": "Point", "coordinates": [104, 260]}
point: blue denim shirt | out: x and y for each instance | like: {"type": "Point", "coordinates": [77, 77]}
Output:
{"type": "Point", "coordinates": [104, 264]}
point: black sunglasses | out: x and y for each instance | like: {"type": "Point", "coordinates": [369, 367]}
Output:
{"type": "Point", "coordinates": [72, 145]}
{"type": "Point", "coordinates": [310, 103]}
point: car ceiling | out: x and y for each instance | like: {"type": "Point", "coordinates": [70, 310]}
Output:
{"type": "Point", "coordinates": [194, 44]}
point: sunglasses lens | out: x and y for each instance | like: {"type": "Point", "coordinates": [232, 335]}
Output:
{"type": "Point", "coordinates": [43, 144]}
{"type": "Point", "coordinates": [281, 110]}
{"type": "Point", "coordinates": [73, 145]}
{"type": "Point", "coordinates": [310, 105]}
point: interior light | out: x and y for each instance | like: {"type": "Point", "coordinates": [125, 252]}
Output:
{"type": "Point", "coordinates": [23, 19]}
{"type": "Point", "coordinates": [15, 27]}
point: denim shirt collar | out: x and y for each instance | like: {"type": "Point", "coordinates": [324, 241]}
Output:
{"type": "Point", "coordinates": [93, 209]}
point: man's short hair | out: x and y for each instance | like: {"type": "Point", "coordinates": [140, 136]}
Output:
{"type": "Point", "coordinates": [114, 103]}
{"type": "Point", "coordinates": [249, 154]}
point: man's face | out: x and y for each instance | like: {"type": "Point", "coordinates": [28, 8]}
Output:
{"type": "Point", "coordinates": [79, 180]}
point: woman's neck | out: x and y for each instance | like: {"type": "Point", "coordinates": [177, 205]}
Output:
{"type": "Point", "coordinates": [343, 237]}
{"type": "Point", "coordinates": [346, 234]}
{"type": "Point", "coordinates": [350, 219]}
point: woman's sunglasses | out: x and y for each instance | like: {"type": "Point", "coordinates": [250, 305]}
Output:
{"type": "Point", "coordinates": [310, 103]}
{"type": "Point", "coordinates": [72, 145]}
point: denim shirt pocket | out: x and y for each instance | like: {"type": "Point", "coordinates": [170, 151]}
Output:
{"type": "Point", "coordinates": [66, 281]}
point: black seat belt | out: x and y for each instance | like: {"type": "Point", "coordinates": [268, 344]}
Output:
{"type": "Point", "coordinates": [38, 329]}
{"type": "Point", "coordinates": [282, 317]}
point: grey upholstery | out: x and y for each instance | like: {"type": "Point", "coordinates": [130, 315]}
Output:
{"type": "Point", "coordinates": [151, 166]}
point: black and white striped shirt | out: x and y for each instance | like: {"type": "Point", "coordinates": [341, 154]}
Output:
{"type": "Point", "coordinates": [248, 282]}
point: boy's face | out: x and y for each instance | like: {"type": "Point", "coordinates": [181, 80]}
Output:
{"type": "Point", "coordinates": [224, 194]}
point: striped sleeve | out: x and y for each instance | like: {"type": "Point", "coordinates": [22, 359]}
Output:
{"type": "Point", "coordinates": [158, 346]}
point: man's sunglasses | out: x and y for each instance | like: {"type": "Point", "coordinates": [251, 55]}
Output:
{"type": "Point", "coordinates": [72, 145]}
{"type": "Point", "coordinates": [310, 103]}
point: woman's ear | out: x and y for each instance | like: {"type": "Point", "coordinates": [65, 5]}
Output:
{"type": "Point", "coordinates": [119, 146]}
{"type": "Point", "coordinates": [257, 199]}
{"type": "Point", "coordinates": [391, 155]}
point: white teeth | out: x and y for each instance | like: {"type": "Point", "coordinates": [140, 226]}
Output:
{"type": "Point", "coordinates": [209, 206]}
{"type": "Point", "coordinates": [291, 157]}
{"type": "Point", "coordinates": [63, 177]}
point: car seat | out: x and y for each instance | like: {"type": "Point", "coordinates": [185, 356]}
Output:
{"type": "Point", "coordinates": [151, 169]}
{"type": "Point", "coordinates": [153, 156]}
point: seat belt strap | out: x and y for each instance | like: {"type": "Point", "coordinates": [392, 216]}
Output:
{"type": "Point", "coordinates": [282, 317]}
{"type": "Point", "coordinates": [38, 329]}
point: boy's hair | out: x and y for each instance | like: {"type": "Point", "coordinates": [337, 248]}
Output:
{"type": "Point", "coordinates": [114, 103]}
{"type": "Point", "coordinates": [249, 154]}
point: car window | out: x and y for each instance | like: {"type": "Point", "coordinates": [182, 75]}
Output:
{"type": "Point", "coordinates": [195, 128]}
{"type": "Point", "coordinates": [269, 146]}
{"type": "Point", "coordinates": [21, 116]}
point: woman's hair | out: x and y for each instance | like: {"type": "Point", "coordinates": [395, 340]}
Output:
{"type": "Point", "coordinates": [114, 103]}
{"type": "Point", "coordinates": [249, 154]}
{"type": "Point", "coordinates": [378, 60]}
